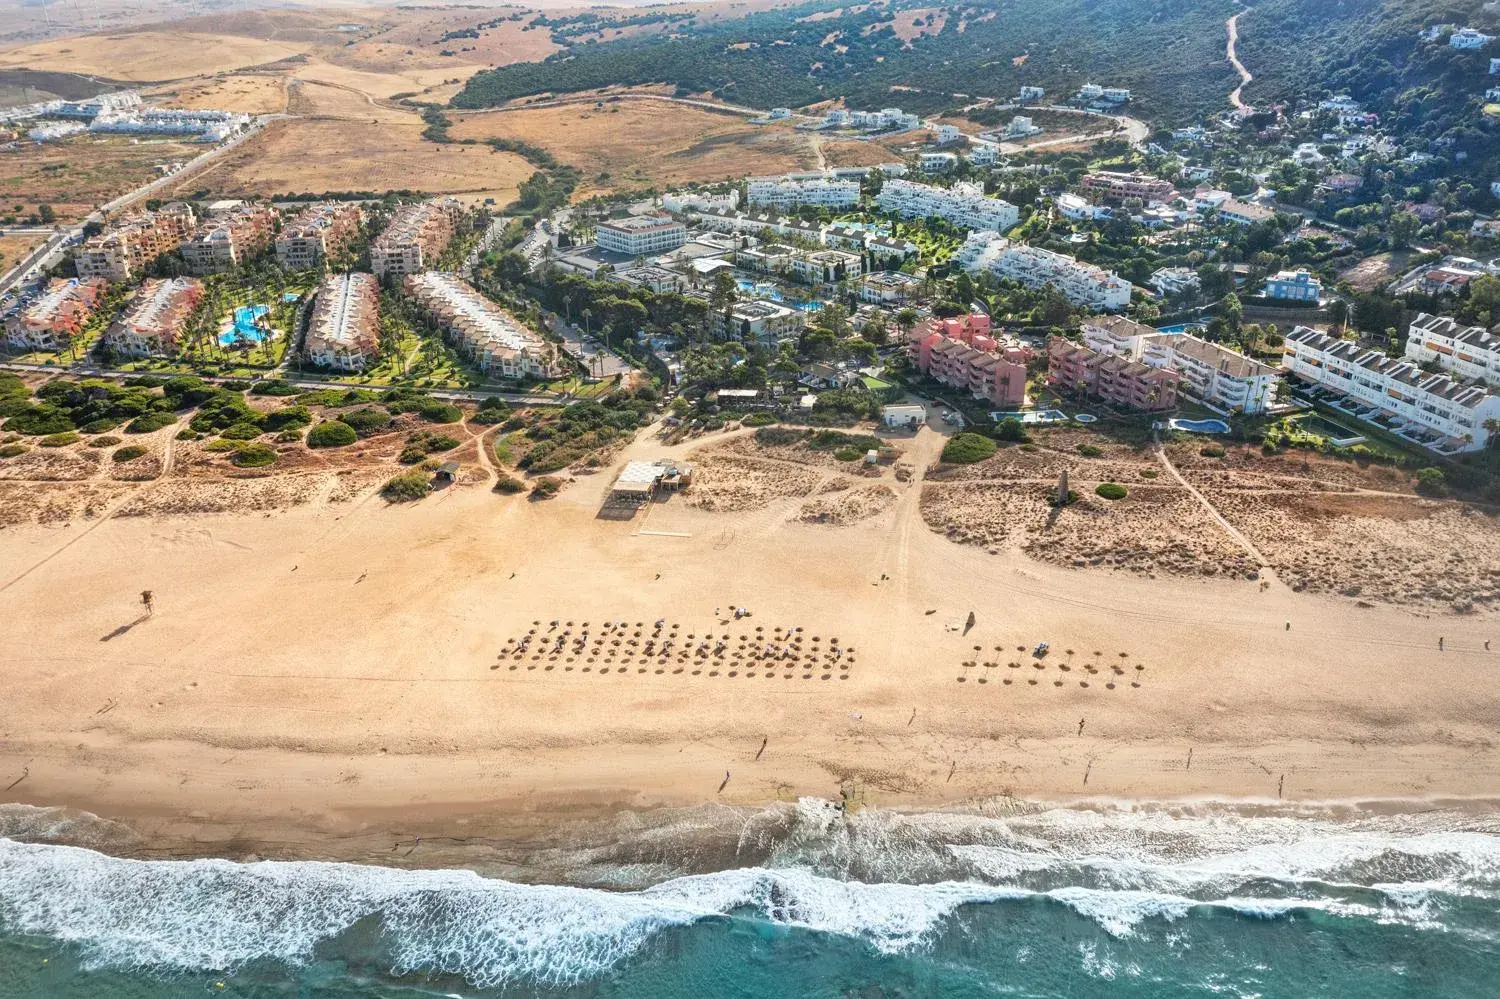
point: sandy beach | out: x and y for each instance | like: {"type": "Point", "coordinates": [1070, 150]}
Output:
{"type": "Point", "coordinates": [325, 679]}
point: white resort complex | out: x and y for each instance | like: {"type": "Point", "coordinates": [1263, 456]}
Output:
{"type": "Point", "coordinates": [794, 189]}
{"type": "Point", "coordinates": [343, 333]}
{"type": "Point", "coordinates": [123, 250]}
{"type": "Point", "coordinates": [963, 204]}
{"type": "Point", "coordinates": [1079, 282]}
{"type": "Point", "coordinates": [1466, 351]}
{"type": "Point", "coordinates": [638, 235]}
{"type": "Point", "coordinates": [484, 333]}
{"type": "Point", "coordinates": [1430, 409]}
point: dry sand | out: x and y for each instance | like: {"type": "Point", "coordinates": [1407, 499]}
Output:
{"type": "Point", "coordinates": [146, 56]}
{"type": "Point", "coordinates": [322, 679]}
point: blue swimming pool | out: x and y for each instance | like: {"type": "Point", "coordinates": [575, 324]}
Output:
{"type": "Point", "coordinates": [1180, 328]}
{"type": "Point", "coordinates": [245, 327]}
{"type": "Point", "coordinates": [1031, 416]}
{"type": "Point", "coordinates": [1200, 426]}
{"type": "Point", "coordinates": [766, 290]}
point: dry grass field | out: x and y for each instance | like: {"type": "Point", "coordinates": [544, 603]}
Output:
{"type": "Point", "coordinates": [344, 155]}
{"type": "Point", "coordinates": [246, 93]}
{"type": "Point", "coordinates": [150, 55]}
{"type": "Point", "coordinates": [13, 248]}
{"type": "Point", "coordinates": [645, 142]}
{"type": "Point", "coordinates": [76, 174]}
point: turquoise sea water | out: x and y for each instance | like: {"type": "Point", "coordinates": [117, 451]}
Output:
{"type": "Point", "coordinates": [1107, 901]}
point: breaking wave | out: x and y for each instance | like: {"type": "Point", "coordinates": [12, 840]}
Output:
{"type": "Point", "coordinates": [1121, 868]}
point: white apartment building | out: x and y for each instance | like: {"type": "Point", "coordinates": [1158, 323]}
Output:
{"type": "Point", "coordinates": [153, 322]}
{"type": "Point", "coordinates": [415, 236]}
{"type": "Point", "coordinates": [789, 191]}
{"type": "Point", "coordinates": [1079, 282]}
{"type": "Point", "coordinates": [826, 266]}
{"type": "Point", "coordinates": [1469, 352]}
{"type": "Point", "coordinates": [946, 134]}
{"type": "Point", "coordinates": [317, 232]}
{"type": "Point", "coordinates": [984, 154]}
{"type": "Point", "coordinates": [981, 248]}
{"type": "Point", "coordinates": [682, 201]}
{"type": "Point", "coordinates": [1169, 281]}
{"type": "Point", "coordinates": [937, 162]}
{"type": "Point", "coordinates": [482, 331]}
{"type": "Point", "coordinates": [344, 331]}
{"type": "Point", "coordinates": [1078, 209]}
{"type": "Point", "coordinates": [1219, 378]}
{"type": "Point", "coordinates": [759, 320]}
{"type": "Point", "coordinates": [1431, 409]}
{"type": "Point", "coordinates": [122, 251]}
{"type": "Point", "coordinates": [1468, 38]}
{"type": "Point", "coordinates": [638, 235]}
{"type": "Point", "coordinates": [1243, 212]}
{"type": "Point", "coordinates": [963, 204]}
{"type": "Point", "coordinates": [889, 288]}
{"type": "Point", "coordinates": [1031, 94]}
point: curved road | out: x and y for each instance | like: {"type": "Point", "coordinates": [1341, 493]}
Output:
{"type": "Point", "coordinates": [1233, 26]}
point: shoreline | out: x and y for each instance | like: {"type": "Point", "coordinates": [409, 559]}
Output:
{"type": "Point", "coordinates": [335, 680]}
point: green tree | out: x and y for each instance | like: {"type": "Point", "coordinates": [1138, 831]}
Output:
{"type": "Point", "coordinates": [1402, 229]}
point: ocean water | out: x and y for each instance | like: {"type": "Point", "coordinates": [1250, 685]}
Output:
{"type": "Point", "coordinates": [1106, 900]}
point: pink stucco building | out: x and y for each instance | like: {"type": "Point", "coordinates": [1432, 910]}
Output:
{"type": "Point", "coordinates": [961, 352]}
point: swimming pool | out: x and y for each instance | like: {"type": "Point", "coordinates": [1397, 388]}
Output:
{"type": "Point", "coordinates": [1180, 328]}
{"type": "Point", "coordinates": [764, 289]}
{"type": "Point", "coordinates": [1200, 426]}
{"type": "Point", "coordinates": [1031, 416]}
{"type": "Point", "coordinates": [245, 326]}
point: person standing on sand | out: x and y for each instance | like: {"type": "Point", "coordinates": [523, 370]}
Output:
{"type": "Point", "coordinates": [148, 601]}
{"type": "Point", "coordinates": [1440, 643]}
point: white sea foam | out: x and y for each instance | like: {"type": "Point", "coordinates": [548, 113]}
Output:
{"type": "Point", "coordinates": [212, 914]}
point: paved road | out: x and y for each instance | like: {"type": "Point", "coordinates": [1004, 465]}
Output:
{"type": "Point", "coordinates": [28, 269]}
{"type": "Point", "coordinates": [599, 362]}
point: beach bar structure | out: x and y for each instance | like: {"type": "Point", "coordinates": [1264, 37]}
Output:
{"type": "Point", "coordinates": [639, 482]}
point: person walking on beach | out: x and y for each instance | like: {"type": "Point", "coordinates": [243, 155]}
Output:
{"type": "Point", "coordinates": [148, 601]}
{"type": "Point", "coordinates": [1440, 643]}
{"type": "Point", "coordinates": [1289, 626]}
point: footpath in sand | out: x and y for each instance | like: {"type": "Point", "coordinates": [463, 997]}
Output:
{"type": "Point", "coordinates": [329, 679]}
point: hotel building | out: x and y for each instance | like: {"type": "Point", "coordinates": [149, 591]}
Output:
{"type": "Point", "coordinates": [122, 252]}
{"type": "Point", "coordinates": [317, 233]}
{"type": "Point", "coordinates": [344, 331]}
{"type": "Point", "coordinates": [789, 191]}
{"type": "Point", "coordinates": [1430, 409]}
{"type": "Point", "coordinates": [639, 235]}
{"type": "Point", "coordinates": [154, 321]}
{"type": "Point", "coordinates": [417, 233]}
{"type": "Point", "coordinates": [484, 333]}
{"type": "Point", "coordinates": [1108, 185]}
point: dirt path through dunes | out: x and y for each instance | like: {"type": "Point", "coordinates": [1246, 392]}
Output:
{"type": "Point", "coordinates": [1233, 26]}
{"type": "Point", "coordinates": [1230, 529]}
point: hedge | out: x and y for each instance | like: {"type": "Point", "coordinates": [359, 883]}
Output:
{"type": "Point", "coordinates": [366, 421]}
{"type": "Point", "coordinates": [150, 422]}
{"type": "Point", "coordinates": [331, 433]}
{"type": "Point", "coordinates": [255, 455]}
{"type": "Point", "coordinates": [967, 448]}
{"type": "Point", "coordinates": [406, 487]}
{"type": "Point", "coordinates": [129, 452]}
